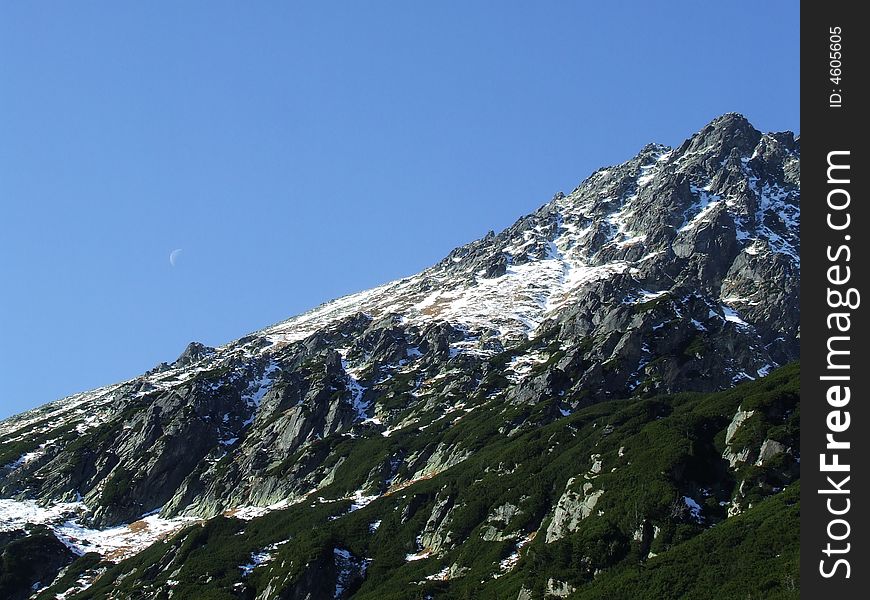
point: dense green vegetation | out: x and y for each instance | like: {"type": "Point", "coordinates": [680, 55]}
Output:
{"type": "Point", "coordinates": [84, 565]}
{"type": "Point", "coordinates": [755, 555]}
{"type": "Point", "coordinates": [29, 560]}
{"type": "Point", "coordinates": [651, 452]}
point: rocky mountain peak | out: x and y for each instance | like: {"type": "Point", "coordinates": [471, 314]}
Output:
{"type": "Point", "coordinates": [193, 353]}
{"type": "Point", "coordinates": [731, 131]}
{"type": "Point", "coordinates": [675, 271]}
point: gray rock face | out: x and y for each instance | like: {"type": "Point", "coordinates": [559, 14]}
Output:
{"type": "Point", "coordinates": [436, 533]}
{"type": "Point", "coordinates": [193, 354]}
{"type": "Point", "coordinates": [496, 529]}
{"type": "Point", "coordinates": [558, 589]}
{"type": "Point", "coordinates": [676, 270]}
{"type": "Point", "coordinates": [769, 450]}
{"type": "Point", "coordinates": [574, 506]}
{"type": "Point", "coordinates": [734, 455]}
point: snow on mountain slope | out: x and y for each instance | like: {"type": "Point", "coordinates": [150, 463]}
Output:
{"type": "Point", "coordinates": [675, 270]}
{"type": "Point", "coordinates": [540, 264]}
{"type": "Point", "coordinates": [554, 253]}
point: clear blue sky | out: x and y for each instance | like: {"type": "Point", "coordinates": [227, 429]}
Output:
{"type": "Point", "coordinates": [301, 151]}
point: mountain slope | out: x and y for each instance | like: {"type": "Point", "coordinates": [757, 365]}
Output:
{"type": "Point", "coordinates": [637, 487]}
{"type": "Point", "coordinates": [675, 271]}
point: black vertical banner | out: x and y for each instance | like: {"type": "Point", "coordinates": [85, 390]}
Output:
{"type": "Point", "coordinates": [835, 227]}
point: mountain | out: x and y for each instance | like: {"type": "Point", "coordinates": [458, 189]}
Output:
{"type": "Point", "coordinates": [566, 408]}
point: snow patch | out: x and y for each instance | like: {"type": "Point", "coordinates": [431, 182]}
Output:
{"type": "Point", "coordinates": [418, 555]}
{"type": "Point", "coordinates": [694, 508]}
{"type": "Point", "coordinates": [114, 543]}
{"type": "Point", "coordinates": [732, 316]}
{"type": "Point", "coordinates": [258, 559]}
{"type": "Point", "coordinates": [348, 567]}
{"type": "Point", "coordinates": [702, 210]}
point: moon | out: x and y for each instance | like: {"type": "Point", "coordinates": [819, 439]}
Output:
{"type": "Point", "coordinates": [173, 256]}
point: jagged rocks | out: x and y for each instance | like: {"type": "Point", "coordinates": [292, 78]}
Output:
{"type": "Point", "coordinates": [194, 353]}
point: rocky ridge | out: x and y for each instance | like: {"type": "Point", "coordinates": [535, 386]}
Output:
{"type": "Point", "coordinates": [675, 271]}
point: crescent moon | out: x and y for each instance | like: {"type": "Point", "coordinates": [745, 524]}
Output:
{"type": "Point", "coordinates": [173, 256]}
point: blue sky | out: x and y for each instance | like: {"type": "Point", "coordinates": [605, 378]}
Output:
{"type": "Point", "coordinates": [300, 151]}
